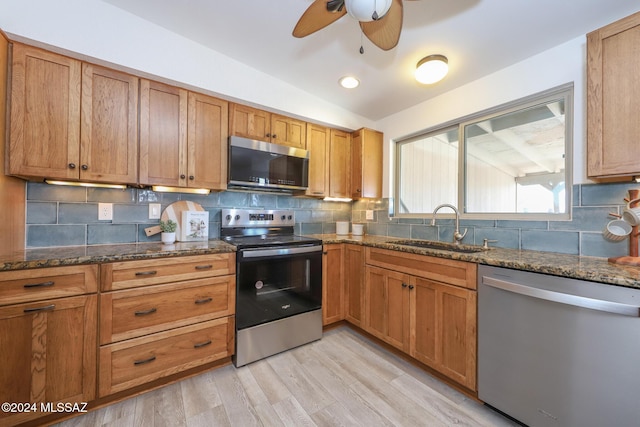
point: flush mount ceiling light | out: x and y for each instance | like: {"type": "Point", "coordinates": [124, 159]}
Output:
{"type": "Point", "coordinates": [349, 82]}
{"type": "Point", "coordinates": [432, 69]}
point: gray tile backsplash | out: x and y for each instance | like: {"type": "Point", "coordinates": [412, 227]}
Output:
{"type": "Point", "coordinates": [64, 216]}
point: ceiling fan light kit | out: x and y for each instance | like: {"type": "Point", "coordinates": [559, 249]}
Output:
{"type": "Point", "coordinates": [349, 82]}
{"type": "Point", "coordinates": [431, 69]}
{"type": "Point", "coordinates": [367, 10]}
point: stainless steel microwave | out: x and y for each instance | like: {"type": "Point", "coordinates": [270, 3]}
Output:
{"type": "Point", "coordinates": [261, 165]}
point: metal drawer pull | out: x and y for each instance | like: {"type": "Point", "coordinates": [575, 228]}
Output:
{"type": "Point", "coordinates": [202, 344]}
{"type": "Point", "coordinates": [204, 267]}
{"type": "Point", "coordinates": [142, 362]}
{"type": "Point", "coordinates": [145, 312]}
{"type": "Point", "coordinates": [146, 273]}
{"type": "Point", "coordinates": [39, 285]}
{"type": "Point", "coordinates": [45, 308]}
{"type": "Point", "coordinates": [204, 300]}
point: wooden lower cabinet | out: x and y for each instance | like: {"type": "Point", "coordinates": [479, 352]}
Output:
{"type": "Point", "coordinates": [432, 321]}
{"type": "Point", "coordinates": [48, 352]}
{"type": "Point", "coordinates": [332, 284]}
{"type": "Point", "coordinates": [354, 284]}
{"type": "Point", "coordinates": [137, 361]}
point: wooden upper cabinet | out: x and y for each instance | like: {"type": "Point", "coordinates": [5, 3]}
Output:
{"type": "Point", "coordinates": [72, 120]}
{"type": "Point", "coordinates": [253, 123]}
{"type": "Point", "coordinates": [163, 134]}
{"type": "Point", "coordinates": [288, 131]}
{"type": "Point", "coordinates": [339, 164]}
{"type": "Point", "coordinates": [249, 122]}
{"type": "Point", "coordinates": [109, 126]}
{"type": "Point", "coordinates": [207, 136]}
{"type": "Point", "coordinates": [613, 99]}
{"type": "Point", "coordinates": [318, 147]}
{"type": "Point", "coordinates": [45, 114]}
{"type": "Point", "coordinates": [366, 164]}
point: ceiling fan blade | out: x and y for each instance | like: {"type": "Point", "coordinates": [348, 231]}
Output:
{"type": "Point", "coordinates": [385, 32]}
{"type": "Point", "coordinates": [316, 17]}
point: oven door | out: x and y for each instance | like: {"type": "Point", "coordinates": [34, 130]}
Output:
{"type": "Point", "coordinates": [277, 282]}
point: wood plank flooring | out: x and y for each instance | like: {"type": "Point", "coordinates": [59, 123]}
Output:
{"type": "Point", "coordinates": [341, 380]}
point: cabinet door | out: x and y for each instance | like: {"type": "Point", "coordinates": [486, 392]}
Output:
{"type": "Point", "coordinates": [207, 142]}
{"type": "Point", "coordinates": [249, 122]}
{"type": "Point", "coordinates": [332, 286]}
{"type": "Point", "coordinates": [109, 126]}
{"type": "Point", "coordinates": [366, 164]}
{"type": "Point", "coordinates": [45, 114]}
{"type": "Point", "coordinates": [387, 306]}
{"type": "Point", "coordinates": [318, 147]}
{"type": "Point", "coordinates": [354, 283]}
{"type": "Point", "coordinates": [444, 329]}
{"type": "Point", "coordinates": [288, 131]}
{"type": "Point", "coordinates": [613, 99]}
{"type": "Point", "coordinates": [163, 134]}
{"type": "Point", "coordinates": [48, 353]}
{"type": "Point", "coordinates": [339, 164]}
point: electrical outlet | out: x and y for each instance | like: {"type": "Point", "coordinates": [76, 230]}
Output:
{"type": "Point", "coordinates": [105, 211]}
{"type": "Point", "coordinates": [154, 210]}
{"type": "Point", "coordinates": [369, 214]}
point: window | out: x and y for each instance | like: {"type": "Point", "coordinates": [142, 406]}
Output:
{"type": "Point", "coordinates": [514, 162]}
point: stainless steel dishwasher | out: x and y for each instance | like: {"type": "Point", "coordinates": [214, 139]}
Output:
{"type": "Point", "coordinates": [558, 352]}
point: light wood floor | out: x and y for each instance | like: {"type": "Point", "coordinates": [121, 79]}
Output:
{"type": "Point", "coordinates": [341, 380]}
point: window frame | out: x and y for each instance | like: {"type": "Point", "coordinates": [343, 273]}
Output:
{"type": "Point", "coordinates": [566, 91]}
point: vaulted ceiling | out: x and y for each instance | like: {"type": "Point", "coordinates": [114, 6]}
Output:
{"type": "Point", "coordinates": [478, 37]}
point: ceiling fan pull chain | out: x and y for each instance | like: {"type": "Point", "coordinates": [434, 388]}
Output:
{"type": "Point", "coordinates": [361, 46]}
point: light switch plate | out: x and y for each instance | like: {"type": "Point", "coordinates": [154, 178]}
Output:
{"type": "Point", "coordinates": [105, 211]}
{"type": "Point", "coordinates": [154, 210]}
{"type": "Point", "coordinates": [369, 215]}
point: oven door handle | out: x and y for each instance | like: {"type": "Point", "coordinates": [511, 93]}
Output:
{"type": "Point", "coordinates": [255, 253]}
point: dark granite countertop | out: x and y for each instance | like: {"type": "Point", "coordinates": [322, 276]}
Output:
{"type": "Point", "coordinates": [572, 266]}
{"type": "Point", "coordinates": [74, 255]}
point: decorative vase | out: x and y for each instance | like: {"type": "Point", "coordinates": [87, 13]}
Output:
{"type": "Point", "coordinates": [168, 238]}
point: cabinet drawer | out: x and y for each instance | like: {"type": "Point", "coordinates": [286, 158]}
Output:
{"type": "Point", "coordinates": [135, 312]}
{"type": "Point", "coordinates": [44, 283]}
{"type": "Point", "coordinates": [133, 274]}
{"type": "Point", "coordinates": [140, 360]}
{"type": "Point", "coordinates": [459, 273]}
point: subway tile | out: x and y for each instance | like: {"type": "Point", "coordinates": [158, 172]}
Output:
{"type": "Point", "coordinates": [42, 212]}
{"type": "Point", "coordinates": [41, 191]}
{"type": "Point", "coordinates": [111, 195]}
{"type": "Point", "coordinates": [208, 200]}
{"type": "Point", "coordinates": [506, 238]}
{"type": "Point", "coordinates": [148, 196]}
{"type": "Point", "coordinates": [399, 230]}
{"type": "Point", "coordinates": [377, 229]}
{"type": "Point", "coordinates": [605, 194]}
{"type": "Point", "coordinates": [328, 228]}
{"type": "Point", "coordinates": [77, 213]}
{"type": "Point", "coordinates": [132, 213]}
{"type": "Point", "coordinates": [287, 202]}
{"type": "Point", "coordinates": [55, 235]}
{"type": "Point", "coordinates": [594, 244]}
{"type": "Point", "coordinates": [98, 234]}
{"type": "Point", "coordinates": [341, 215]}
{"type": "Point", "coordinates": [321, 216]}
{"type": "Point", "coordinates": [311, 228]}
{"type": "Point", "coordinates": [566, 242]}
{"type": "Point", "coordinates": [575, 195]}
{"type": "Point", "coordinates": [234, 199]}
{"type": "Point", "coordinates": [524, 225]}
{"type": "Point", "coordinates": [424, 232]}
{"type": "Point", "coordinates": [263, 201]}
{"type": "Point", "coordinates": [584, 219]}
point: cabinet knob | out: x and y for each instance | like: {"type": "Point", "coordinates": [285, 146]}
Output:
{"type": "Point", "coordinates": [191, 177]}
{"type": "Point", "coordinates": [325, 252]}
{"type": "Point", "coordinates": [182, 176]}
{"type": "Point", "coordinates": [72, 165]}
{"type": "Point", "coordinates": [84, 167]}
{"type": "Point", "coordinates": [268, 135]}
{"type": "Point", "coordinates": [404, 285]}
{"type": "Point", "coordinates": [274, 136]}
{"type": "Point", "coordinates": [411, 287]}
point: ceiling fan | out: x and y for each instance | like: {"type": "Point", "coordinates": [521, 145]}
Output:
{"type": "Point", "coordinates": [380, 20]}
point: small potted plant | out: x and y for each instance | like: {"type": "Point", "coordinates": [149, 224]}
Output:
{"type": "Point", "coordinates": [168, 229]}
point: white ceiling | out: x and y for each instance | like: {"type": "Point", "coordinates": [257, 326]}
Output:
{"type": "Point", "coordinates": [478, 36]}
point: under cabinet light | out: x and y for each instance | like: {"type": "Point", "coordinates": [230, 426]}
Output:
{"type": "Point", "coordinates": [337, 199]}
{"type": "Point", "coordinates": [165, 189]}
{"type": "Point", "coordinates": [85, 184]}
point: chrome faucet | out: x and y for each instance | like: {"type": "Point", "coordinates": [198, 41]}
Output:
{"type": "Point", "coordinates": [457, 237]}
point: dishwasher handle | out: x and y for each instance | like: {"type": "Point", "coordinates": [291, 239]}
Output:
{"type": "Point", "coordinates": [575, 300]}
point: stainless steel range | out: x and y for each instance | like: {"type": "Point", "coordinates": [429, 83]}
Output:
{"type": "Point", "coordinates": [278, 283]}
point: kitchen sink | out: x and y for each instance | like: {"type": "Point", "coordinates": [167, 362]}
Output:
{"type": "Point", "coordinates": [441, 246]}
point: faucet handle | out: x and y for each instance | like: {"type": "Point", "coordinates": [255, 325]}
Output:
{"type": "Point", "coordinates": [457, 236]}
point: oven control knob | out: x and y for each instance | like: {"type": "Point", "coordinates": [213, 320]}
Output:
{"type": "Point", "coordinates": [290, 217]}
{"type": "Point", "coordinates": [237, 217]}
{"type": "Point", "coordinates": [228, 217]}
{"type": "Point", "coordinates": [283, 217]}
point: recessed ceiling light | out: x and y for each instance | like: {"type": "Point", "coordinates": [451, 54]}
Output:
{"type": "Point", "coordinates": [349, 82]}
{"type": "Point", "coordinates": [432, 69]}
